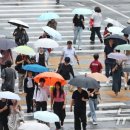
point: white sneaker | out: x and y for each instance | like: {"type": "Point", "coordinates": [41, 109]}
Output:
{"type": "Point", "coordinates": [94, 123]}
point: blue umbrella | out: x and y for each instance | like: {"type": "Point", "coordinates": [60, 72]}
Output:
{"type": "Point", "coordinates": [35, 68]}
{"type": "Point", "coordinates": [48, 16]}
{"type": "Point", "coordinates": [82, 11]}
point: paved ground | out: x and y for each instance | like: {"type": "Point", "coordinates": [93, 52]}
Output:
{"type": "Point", "coordinates": [112, 110]}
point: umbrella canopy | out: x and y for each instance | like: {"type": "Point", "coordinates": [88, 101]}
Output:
{"type": "Point", "coordinates": [82, 11]}
{"type": "Point", "coordinates": [114, 22]}
{"type": "Point", "coordinates": [119, 40]}
{"type": "Point", "coordinates": [46, 43]}
{"type": "Point", "coordinates": [35, 68]}
{"type": "Point", "coordinates": [9, 95]}
{"type": "Point", "coordinates": [85, 82]}
{"type": "Point", "coordinates": [115, 30]}
{"type": "Point", "coordinates": [46, 116]}
{"type": "Point", "coordinates": [126, 30]}
{"type": "Point", "coordinates": [99, 77]}
{"type": "Point", "coordinates": [117, 56]}
{"type": "Point", "coordinates": [48, 16]}
{"type": "Point", "coordinates": [55, 34]}
{"type": "Point", "coordinates": [33, 126]}
{"type": "Point", "coordinates": [24, 50]}
{"type": "Point", "coordinates": [17, 22]}
{"type": "Point", "coordinates": [50, 78]}
{"type": "Point", "coordinates": [6, 44]}
{"type": "Point", "coordinates": [123, 47]}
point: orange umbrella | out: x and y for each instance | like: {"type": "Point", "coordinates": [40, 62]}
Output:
{"type": "Point", "coordinates": [99, 77]}
{"type": "Point", "coordinates": [51, 78]}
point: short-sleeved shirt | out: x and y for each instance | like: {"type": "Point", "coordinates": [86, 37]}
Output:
{"type": "Point", "coordinates": [94, 95]}
{"type": "Point", "coordinates": [77, 97]}
{"type": "Point", "coordinates": [107, 51]}
{"type": "Point", "coordinates": [69, 53]}
{"type": "Point", "coordinates": [95, 66]}
{"type": "Point", "coordinates": [97, 17]}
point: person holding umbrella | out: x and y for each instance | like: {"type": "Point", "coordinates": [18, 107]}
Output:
{"type": "Point", "coordinates": [20, 35]}
{"type": "Point", "coordinates": [58, 101]}
{"type": "Point", "coordinates": [79, 99]}
{"type": "Point", "coordinates": [78, 22]}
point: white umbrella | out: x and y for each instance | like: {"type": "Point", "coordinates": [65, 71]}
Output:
{"type": "Point", "coordinates": [82, 11]}
{"type": "Point", "coordinates": [55, 34]}
{"type": "Point", "coordinates": [17, 22]}
{"type": "Point", "coordinates": [33, 126]}
{"type": "Point", "coordinates": [114, 22]}
{"type": "Point", "coordinates": [115, 30]}
{"type": "Point", "coordinates": [9, 95]}
{"type": "Point", "coordinates": [46, 116]}
{"type": "Point", "coordinates": [46, 43]}
{"type": "Point", "coordinates": [117, 56]}
{"type": "Point", "coordinates": [26, 50]}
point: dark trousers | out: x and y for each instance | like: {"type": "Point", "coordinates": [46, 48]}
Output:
{"type": "Point", "coordinates": [96, 30]}
{"type": "Point", "coordinates": [41, 105]}
{"type": "Point", "coordinates": [80, 116]}
{"type": "Point", "coordinates": [58, 110]}
{"type": "Point", "coordinates": [29, 102]}
{"type": "Point", "coordinates": [108, 69]}
{"type": "Point", "coordinates": [3, 125]}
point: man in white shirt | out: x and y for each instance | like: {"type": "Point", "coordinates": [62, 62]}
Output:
{"type": "Point", "coordinates": [40, 96]}
{"type": "Point", "coordinates": [69, 51]}
{"type": "Point", "coordinates": [95, 29]}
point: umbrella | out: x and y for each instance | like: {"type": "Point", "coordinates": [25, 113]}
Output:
{"type": "Point", "coordinates": [117, 56]}
{"type": "Point", "coordinates": [17, 22]}
{"type": "Point", "coordinates": [82, 11]}
{"type": "Point", "coordinates": [46, 116]}
{"type": "Point", "coordinates": [128, 21]}
{"type": "Point", "coordinates": [33, 126]}
{"type": "Point", "coordinates": [114, 22]}
{"type": "Point", "coordinates": [117, 38]}
{"type": "Point", "coordinates": [24, 50]}
{"type": "Point", "coordinates": [55, 34]}
{"type": "Point", "coordinates": [126, 30]}
{"type": "Point", "coordinates": [99, 77]}
{"type": "Point", "coordinates": [35, 68]}
{"type": "Point", "coordinates": [6, 44]}
{"type": "Point", "coordinates": [85, 82]}
{"type": "Point", "coordinates": [51, 78]}
{"type": "Point", "coordinates": [115, 30]}
{"type": "Point", "coordinates": [123, 47]}
{"type": "Point", "coordinates": [46, 43]}
{"type": "Point", "coordinates": [48, 16]}
{"type": "Point", "coordinates": [9, 95]}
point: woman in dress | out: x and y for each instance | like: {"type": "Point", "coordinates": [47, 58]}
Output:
{"type": "Point", "coordinates": [58, 104]}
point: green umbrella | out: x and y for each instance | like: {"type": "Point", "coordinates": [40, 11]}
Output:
{"type": "Point", "coordinates": [24, 50]}
{"type": "Point", "coordinates": [123, 47]}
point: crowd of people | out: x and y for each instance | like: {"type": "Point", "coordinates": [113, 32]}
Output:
{"type": "Point", "coordinates": [37, 94]}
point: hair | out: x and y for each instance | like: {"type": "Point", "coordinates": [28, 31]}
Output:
{"type": "Point", "coordinates": [109, 25]}
{"type": "Point", "coordinates": [67, 59]}
{"type": "Point", "coordinates": [96, 56]}
{"type": "Point", "coordinates": [69, 42]}
{"type": "Point", "coordinates": [75, 16]}
{"type": "Point", "coordinates": [42, 80]}
{"type": "Point", "coordinates": [55, 90]}
{"type": "Point", "coordinates": [126, 35]}
{"type": "Point", "coordinates": [97, 9]}
{"type": "Point", "coordinates": [118, 51]}
{"type": "Point", "coordinates": [19, 107]}
{"type": "Point", "coordinates": [8, 63]}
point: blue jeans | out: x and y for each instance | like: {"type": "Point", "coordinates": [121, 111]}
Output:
{"type": "Point", "coordinates": [77, 34]}
{"type": "Point", "coordinates": [93, 107]}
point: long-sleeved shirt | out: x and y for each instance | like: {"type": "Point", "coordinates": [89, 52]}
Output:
{"type": "Point", "coordinates": [41, 94]}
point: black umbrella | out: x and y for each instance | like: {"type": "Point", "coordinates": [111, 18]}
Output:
{"type": "Point", "coordinates": [118, 40]}
{"type": "Point", "coordinates": [85, 82]}
{"type": "Point", "coordinates": [126, 30]}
